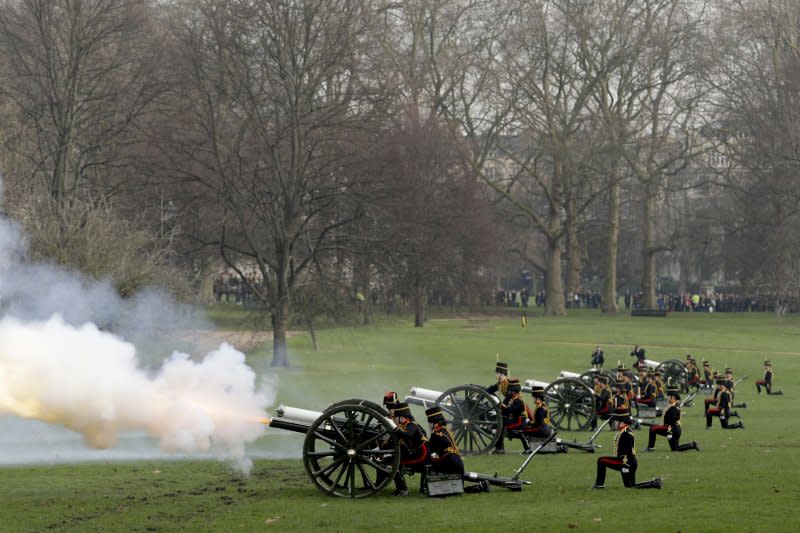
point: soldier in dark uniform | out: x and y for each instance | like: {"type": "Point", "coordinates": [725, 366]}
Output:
{"type": "Point", "coordinates": [638, 352]}
{"type": "Point", "coordinates": [514, 413]}
{"type": "Point", "coordinates": [731, 384]}
{"type": "Point", "coordinates": [598, 358]}
{"type": "Point", "coordinates": [722, 408]}
{"type": "Point", "coordinates": [671, 428]}
{"type": "Point", "coordinates": [649, 392]}
{"type": "Point", "coordinates": [602, 399]}
{"type": "Point", "coordinates": [620, 402]}
{"type": "Point", "coordinates": [539, 424]}
{"type": "Point", "coordinates": [501, 387]}
{"type": "Point", "coordinates": [445, 457]}
{"type": "Point", "coordinates": [707, 379]}
{"type": "Point", "coordinates": [414, 454]}
{"type": "Point", "coordinates": [624, 460]}
{"type": "Point", "coordinates": [767, 381]}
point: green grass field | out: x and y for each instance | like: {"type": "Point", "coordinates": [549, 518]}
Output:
{"type": "Point", "coordinates": [743, 480]}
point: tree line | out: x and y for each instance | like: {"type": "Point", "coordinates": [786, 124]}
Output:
{"type": "Point", "coordinates": [326, 148]}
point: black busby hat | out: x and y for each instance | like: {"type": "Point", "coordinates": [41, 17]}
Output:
{"type": "Point", "coordinates": [537, 391]}
{"type": "Point", "coordinates": [767, 363]}
{"type": "Point", "coordinates": [402, 409]}
{"type": "Point", "coordinates": [729, 370]}
{"type": "Point", "coordinates": [501, 368]}
{"type": "Point", "coordinates": [435, 415]}
{"type": "Point", "coordinates": [390, 400]}
{"type": "Point", "coordinates": [621, 368]}
{"type": "Point", "coordinates": [720, 380]}
{"type": "Point", "coordinates": [675, 392]}
{"type": "Point", "coordinates": [514, 385]}
{"type": "Point", "coordinates": [706, 363]}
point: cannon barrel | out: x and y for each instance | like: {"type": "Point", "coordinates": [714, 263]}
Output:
{"type": "Point", "coordinates": [300, 420]}
{"type": "Point", "coordinates": [568, 374]}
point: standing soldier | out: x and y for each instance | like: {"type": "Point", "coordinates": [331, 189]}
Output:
{"type": "Point", "coordinates": [624, 460]}
{"type": "Point", "coordinates": [514, 415]}
{"type": "Point", "coordinates": [692, 373]}
{"type": "Point", "coordinates": [767, 381]}
{"type": "Point", "coordinates": [723, 407]}
{"type": "Point", "coordinates": [445, 457]}
{"type": "Point", "coordinates": [598, 358]}
{"type": "Point", "coordinates": [501, 387]}
{"type": "Point", "coordinates": [708, 375]}
{"type": "Point", "coordinates": [671, 428]}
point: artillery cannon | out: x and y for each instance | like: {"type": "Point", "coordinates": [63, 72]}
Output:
{"type": "Point", "coordinates": [473, 414]}
{"type": "Point", "coordinates": [352, 449]}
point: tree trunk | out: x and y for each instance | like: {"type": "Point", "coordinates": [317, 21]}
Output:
{"type": "Point", "coordinates": [609, 304]}
{"type": "Point", "coordinates": [649, 251]}
{"type": "Point", "coordinates": [313, 334]}
{"type": "Point", "coordinates": [419, 302]}
{"type": "Point", "coordinates": [554, 286]}
{"type": "Point", "coordinates": [280, 321]}
{"type": "Point", "coordinates": [573, 281]}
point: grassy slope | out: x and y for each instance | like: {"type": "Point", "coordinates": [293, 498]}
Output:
{"type": "Point", "coordinates": [741, 481]}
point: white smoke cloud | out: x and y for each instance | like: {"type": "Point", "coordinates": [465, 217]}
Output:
{"type": "Point", "coordinates": [91, 382]}
{"type": "Point", "coordinates": [58, 366]}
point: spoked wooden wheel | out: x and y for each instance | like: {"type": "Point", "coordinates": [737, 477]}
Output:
{"type": "Point", "coordinates": [351, 451]}
{"type": "Point", "coordinates": [571, 403]}
{"type": "Point", "coordinates": [674, 373]}
{"type": "Point", "coordinates": [473, 416]}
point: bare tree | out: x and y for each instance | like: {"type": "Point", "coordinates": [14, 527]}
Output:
{"type": "Point", "coordinates": [273, 97]}
{"type": "Point", "coordinates": [79, 74]}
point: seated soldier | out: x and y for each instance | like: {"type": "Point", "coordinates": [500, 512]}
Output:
{"type": "Point", "coordinates": [767, 381]}
{"type": "Point", "coordinates": [671, 428]}
{"type": "Point", "coordinates": [539, 423]}
{"type": "Point", "coordinates": [723, 407]}
{"type": "Point", "coordinates": [624, 460]}
{"type": "Point", "coordinates": [414, 454]}
{"type": "Point", "coordinates": [445, 457]}
{"type": "Point", "coordinates": [602, 399]}
{"type": "Point", "coordinates": [622, 377]}
{"type": "Point", "coordinates": [649, 392]}
{"type": "Point", "coordinates": [692, 373]}
{"type": "Point", "coordinates": [514, 413]}
{"type": "Point", "coordinates": [501, 374]}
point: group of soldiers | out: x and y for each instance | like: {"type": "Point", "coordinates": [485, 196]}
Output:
{"type": "Point", "coordinates": [420, 453]}
{"type": "Point", "coordinates": [439, 452]}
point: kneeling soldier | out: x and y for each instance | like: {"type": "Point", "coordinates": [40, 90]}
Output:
{"type": "Point", "coordinates": [671, 428]}
{"type": "Point", "coordinates": [445, 457]}
{"type": "Point", "coordinates": [623, 460]}
{"type": "Point", "coordinates": [723, 407]}
{"type": "Point", "coordinates": [767, 381]}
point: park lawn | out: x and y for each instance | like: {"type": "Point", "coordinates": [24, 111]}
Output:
{"type": "Point", "coordinates": [743, 480]}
